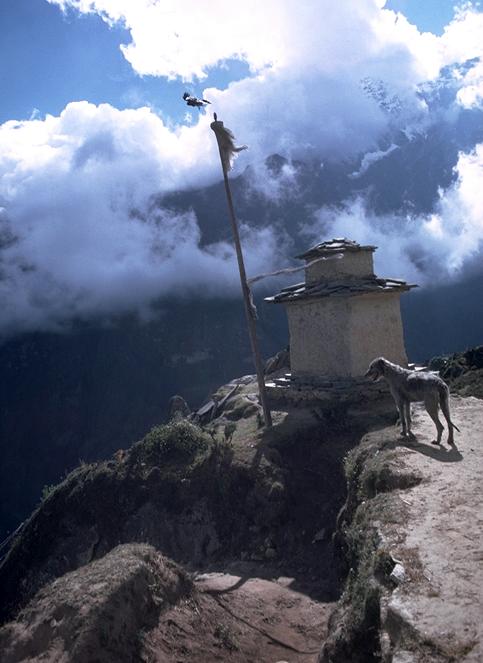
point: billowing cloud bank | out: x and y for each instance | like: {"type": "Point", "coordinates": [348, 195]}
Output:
{"type": "Point", "coordinates": [422, 248]}
{"type": "Point", "coordinates": [183, 38]}
{"type": "Point", "coordinates": [307, 60]}
{"type": "Point", "coordinates": [77, 234]}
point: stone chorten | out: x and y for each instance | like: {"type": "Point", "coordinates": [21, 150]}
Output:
{"type": "Point", "coordinates": [342, 316]}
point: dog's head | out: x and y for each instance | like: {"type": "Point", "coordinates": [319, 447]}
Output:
{"type": "Point", "coordinates": [376, 369]}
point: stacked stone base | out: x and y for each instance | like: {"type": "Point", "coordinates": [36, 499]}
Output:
{"type": "Point", "coordinates": [353, 395]}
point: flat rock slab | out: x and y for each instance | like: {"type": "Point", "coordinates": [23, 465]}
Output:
{"type": "Point", "coordinates": [440, 605]}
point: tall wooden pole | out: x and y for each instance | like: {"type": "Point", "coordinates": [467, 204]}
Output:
{"type": "Point", "coordinates": [252, 330]}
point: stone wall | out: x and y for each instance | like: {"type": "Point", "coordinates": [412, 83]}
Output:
{"type": "Point", "coordinates": [340, 336]}
{"type": "Point", "coordinates": [319, 337]}
{"type": "Point", "coordinates": [375, 331]}
{"type": "Point", "coordinates": [353, 263]}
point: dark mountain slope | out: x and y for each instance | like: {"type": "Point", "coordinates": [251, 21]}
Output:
{"type": "Point", "coordinates": [84, 394]}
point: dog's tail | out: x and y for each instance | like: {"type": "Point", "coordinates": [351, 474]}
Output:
{"type": "Point", "coordinates": [444, 404]}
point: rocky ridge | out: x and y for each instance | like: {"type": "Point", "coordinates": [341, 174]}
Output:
{"type": "Point", "coordinates": [410, 536]}
{"type": "Point", "coordinates": [224, 541]}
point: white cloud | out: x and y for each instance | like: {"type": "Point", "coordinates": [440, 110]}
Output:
{"type": "Point", "coordinates": [275, 182]}
{"type": "Point", "coordinates": [184, 38]}
{"type": "Point", "coordinates": [71, 245]}
{"type": "Point", "coordinates": [470, 94]}
{"type": "Point", "coordinates": [306, 63]}
{"type": "Point", "coordinates": [370, 158]}
{"type": "Point", "coordinates": [463, 37]}
{"type": "Point", "coordinates": [306, 58]}
{"type": "Point", "coordinates": [425, 249]}
{"type": "Point", "coordinates": [68, 184]}
{"type": "Point", "coordinates": [460, 213]}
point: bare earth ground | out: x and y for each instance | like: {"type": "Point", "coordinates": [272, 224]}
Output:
{"type": "Point", "coordinates": [439, 604]}
{"type": "Point", "coordinates": [251, 613]}
{"type": "Point", "coordinates": [244, 620]}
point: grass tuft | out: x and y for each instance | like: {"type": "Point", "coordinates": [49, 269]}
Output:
{"type": "Point", "coordinates": [175, 442]}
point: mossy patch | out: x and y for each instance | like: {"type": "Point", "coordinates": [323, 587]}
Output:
{"type": "Point", "coordinates": [177, 442]}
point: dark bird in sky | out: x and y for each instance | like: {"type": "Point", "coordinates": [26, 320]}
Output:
{"type": "Point", "coordinates": [194, 101]}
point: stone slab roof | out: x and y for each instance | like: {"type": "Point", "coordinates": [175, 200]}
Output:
{"type": "Point", "coordinates": [338, 245]}
{"type": "Point", "coordinates": [349, 287]}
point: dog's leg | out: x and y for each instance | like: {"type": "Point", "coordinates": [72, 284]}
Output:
{"type": "Point", "coordinates": [401, 406]}
{"type": "Point", "coordinates": [431, 405]}
{"type": "Point", "coordinates": [407, 409]}
{"type": "Point", "coordinates": [444, 402]}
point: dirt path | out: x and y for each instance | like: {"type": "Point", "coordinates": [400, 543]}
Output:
{"type": "Point", "coordinates": [241, 620]}
{"type": "Point", "coordinates": [440, 604]}
{"type": "Point", "coordinates": [435, 614]}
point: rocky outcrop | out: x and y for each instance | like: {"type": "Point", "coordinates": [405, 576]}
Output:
{"type": "Point", "coordinates": [373, 473]}
{"type": "Point", "coordinates": [463, 371]}
{"type": "Point", "coordinates": [177, 489]}
{"type": "Point", "coordinates": [178, 408]}
{"type": "Point", "coordinates": [101, 609]}
{"type": "Point", "coordinates": [409, 538]}
{"type": "Point", "coordinates": [233, 495]}
{"type": "Point", "coordinates": [279, 362]}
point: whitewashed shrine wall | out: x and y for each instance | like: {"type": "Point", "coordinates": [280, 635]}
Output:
{"type": "Point", "coordinates": [353, 264]}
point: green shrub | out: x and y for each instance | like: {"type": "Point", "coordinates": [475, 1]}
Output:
{"type": "Point", "coordinates": [175, 441]}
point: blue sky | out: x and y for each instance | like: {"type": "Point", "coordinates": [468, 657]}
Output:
{"type": "Point", "coordinates": [428, 15]}
{"type": "Point", "coordinates": [48, 59]}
